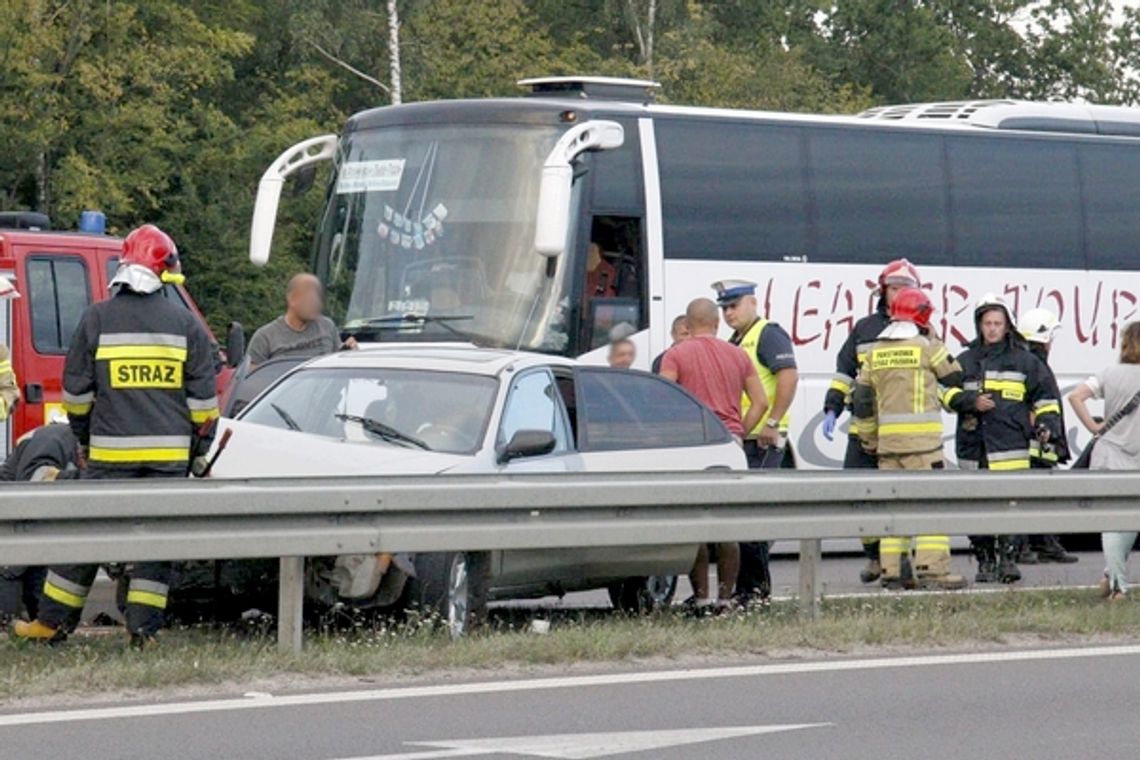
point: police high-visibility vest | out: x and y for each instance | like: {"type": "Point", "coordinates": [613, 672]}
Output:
{"type": "Point", "coordinates": [749, 343]}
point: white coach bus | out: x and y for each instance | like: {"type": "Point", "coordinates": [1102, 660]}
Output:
{"type": "Point", "coordinates": [543, 222]}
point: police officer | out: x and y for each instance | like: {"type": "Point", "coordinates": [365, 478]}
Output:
{"type": "Point", "coordinates": [1007, 399]}
{"type": "Point", "coordinates": [898, 416]}
{"type": "Point", "coordinates": [769, 348]}
{"type": "Point", "coordinates": [138, 388]}
{"type": "Point", "coordinates": [895, 276]}
{"type": "Point", "coordinates": [46, 453]}
{"type": "Point", "coordinates": [1038, 327]}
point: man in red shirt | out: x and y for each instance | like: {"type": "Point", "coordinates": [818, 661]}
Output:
{"type": "Point", "coordinates": [719, 374]}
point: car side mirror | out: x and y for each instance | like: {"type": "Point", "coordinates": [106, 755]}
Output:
{"type": "Point", "coordinates": [235, 344]}
{"type": "Point", "coordinates": [527, 443]}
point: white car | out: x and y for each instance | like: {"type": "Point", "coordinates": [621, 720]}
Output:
{"type": "Point", "coordinates": [416, 409]}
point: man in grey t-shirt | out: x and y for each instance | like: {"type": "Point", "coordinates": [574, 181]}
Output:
{"type": "Point", "coordinates": [302, 331]}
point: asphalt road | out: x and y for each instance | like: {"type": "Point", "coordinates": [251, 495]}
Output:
{"type": "Point", "coordinates": [1051, 703]}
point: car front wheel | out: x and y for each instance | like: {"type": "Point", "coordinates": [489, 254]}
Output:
{"type": "Point", "coordinates": [640, 595]}
{"type": "Point", "coordinates": [452, 586]}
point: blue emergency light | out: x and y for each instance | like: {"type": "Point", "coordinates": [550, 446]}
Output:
{"type": "Point", "coordinates": [94, 222]}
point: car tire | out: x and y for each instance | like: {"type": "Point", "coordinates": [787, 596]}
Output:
{"type": "Point", "coordinates": [637, 596]}
{"type": "Point", "coordinates": [452, 586]}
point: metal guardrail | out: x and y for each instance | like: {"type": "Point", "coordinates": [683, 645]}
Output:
{"type": "Point", "coordinates": [109, 521]}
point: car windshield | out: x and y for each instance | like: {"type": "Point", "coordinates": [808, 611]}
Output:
{"type": "Point", "coordinates": [438, 222]}
{"type": "Point", "coordinates": [415, 409]}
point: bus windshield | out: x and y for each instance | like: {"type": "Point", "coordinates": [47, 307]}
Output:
{"type": "Point", "coordinates": [438, 223]}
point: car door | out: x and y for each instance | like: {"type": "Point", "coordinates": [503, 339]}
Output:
{"type": "Point", "coordinates": [534, 403]}
{"type": "Point", "coordinates": [629, 421]}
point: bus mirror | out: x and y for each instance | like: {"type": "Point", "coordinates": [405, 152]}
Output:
{"type": "Point", "coordinates": [299, 156]}
{"type": "Point", "coordinates": [552, 223]}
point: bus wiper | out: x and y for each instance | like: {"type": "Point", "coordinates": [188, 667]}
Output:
{"type": "Point", "coordinates": [403, 321]}
{"type": "Point", "coordinates": [387, 432]}
{"type": "Point", "coordinates": [289, 421]}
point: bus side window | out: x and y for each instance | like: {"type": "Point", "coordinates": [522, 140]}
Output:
{"type": "Point", "coordinates": [615, 279]}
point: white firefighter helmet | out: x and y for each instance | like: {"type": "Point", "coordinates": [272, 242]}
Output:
{"type": "Point", "coordinates": [1038, 325]}
{"type": "Point", "coordinates": [994, 301]}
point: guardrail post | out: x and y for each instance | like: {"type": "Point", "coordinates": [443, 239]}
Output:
{"type": "Point", "coordinates": [290, 604]}
{"type": "Point", "coordinates": [811, 553]}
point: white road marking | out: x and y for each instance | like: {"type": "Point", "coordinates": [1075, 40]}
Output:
{"type": "Point", "coordinates": [584, 746]}
{"type": "Point", "coordinates": [569, 682]}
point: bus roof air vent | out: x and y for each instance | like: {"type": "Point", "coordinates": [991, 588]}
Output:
{"type": "Point", "coordinates": [593, 88]}
{"type": "Point", "coordinates": [1026, 116]}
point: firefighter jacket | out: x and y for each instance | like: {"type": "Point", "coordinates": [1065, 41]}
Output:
{"type": "Point", "coordinates": [9, 389]}
{"type": "Point", "coordinates": [138, 384]}
{"type": "Point", "coordinates": [1056, 450]}
{"type": "Point", "coordinates": [897, 401]}
{"type": "Point", "coordinates": [851, 357]}
{"type": "Point", "coordinates": [1024, 394]}
{"type": "Point", "coordinates": [46, 453]}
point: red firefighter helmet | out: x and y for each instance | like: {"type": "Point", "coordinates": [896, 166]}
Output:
{"type": "Point", "coordinates": [912, 305]}
{"type": "Point", "coordinates": [150, 247]}
{"type": "Point", "coordinates": [899, 272]}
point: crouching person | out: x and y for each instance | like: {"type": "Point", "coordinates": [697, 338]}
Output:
{"type": "Point", "coordinates": [898, 415]}
{"type": "Point", "coordinates": [46, 453]}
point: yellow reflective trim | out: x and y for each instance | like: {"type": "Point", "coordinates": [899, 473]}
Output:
{"type": "Point", "coordinates": [941, 356]}
{"type": "Point", "coordinates": [173, 353]}
{"type": "Point", "coordinates": [1010, 464]}
{"type": "Point", "coordinates": [1009, 389]}
{"type": "Point", "coordinates": [1048, 409]}
{"type": "Point", "coordinates": [842, 387]}
{"type": "Point", "coordinates": [66, 598]}
{"type": "Point", "coordinates": [909, 428]}
{"type": "Point", "coordinates": [76, 409]}
{"type": "Point", "coordinates": [148, 598]}
{"type": "Point", "coordinates": [5, 366]}
{"type": "Point", "coordinates": [99, 454]}
{"type": "Point", "coordinates": [199, 416]}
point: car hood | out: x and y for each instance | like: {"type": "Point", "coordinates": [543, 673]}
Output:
{"type": "Point", "coordinates": [258, 451]}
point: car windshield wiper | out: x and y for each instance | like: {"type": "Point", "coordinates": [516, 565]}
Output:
{"type": "Point", "coordinates": [404, 321]}
{"type": "Point", "coordinates": [289, 421]}
{"type": "Point", "coordinates": [387, 432]}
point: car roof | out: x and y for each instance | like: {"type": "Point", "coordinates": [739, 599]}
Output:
{"type": "Point", "coordinates": [439, 357]}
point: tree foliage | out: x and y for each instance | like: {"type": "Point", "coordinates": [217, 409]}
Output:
{"type": "Point", "coordinates": [170, 110]}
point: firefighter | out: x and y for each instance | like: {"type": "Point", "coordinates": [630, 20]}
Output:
{"type": "Point", "coordinates": [46, 453]}
{"type": "Point", "coordinates": [895, 276]}
{"type": "Point", "coordinates": [138, 389]}
{"type": "Point", "coordinates": [1038, 327]}
{"type": "Point", "coordinates": [1008, 397]}
{"type": "Point", "coordinates": [897, 408]}
{"type": "Point", "coordinates": [766, 446]}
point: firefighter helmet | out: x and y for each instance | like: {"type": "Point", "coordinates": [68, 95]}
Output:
{"type": "Point", "coordinates": [912, 305]}
{"type": "Point", "coordinates": [899, 272]}
{"type": "Point", "coordinates": [991, 301]}
{"type": "Point", "coordinates": [1038, 325]}
{"type": "Point", "coordinates": [150, 247]}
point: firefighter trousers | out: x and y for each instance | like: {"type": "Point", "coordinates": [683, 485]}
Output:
{"type": "Point", "coordinates": [66, 587]}
{"type": "Point", "coordinates": [931, 553]}
{"type": "Point", "coordinates": [20, 589]}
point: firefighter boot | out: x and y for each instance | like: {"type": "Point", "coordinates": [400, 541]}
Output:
{"type": "Point", "coordinates": [37, 632]}
{"type": "Point", "coordinates": [1050, 550]}
{"type": "Point", "coordinates": [873, 570]}
{"type": "Point", "coordinates": [987, 564]}
{"type": "Point", "coordinates": [1007, 571]}
{"type": "Point", "coordinates": [894, 555]}
{"type": "Point", "coordinates": [932, 565]}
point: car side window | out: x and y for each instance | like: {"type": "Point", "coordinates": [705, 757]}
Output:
{"type": "Point", "coordinates": [634, 410]}
{"type": "Point", "coordinates": [534, 403]}
{"type": "Point", "coordinates": [58, 292]}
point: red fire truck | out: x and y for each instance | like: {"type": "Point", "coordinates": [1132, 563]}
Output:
{"type": "Point", "coordinates": [58, 275]}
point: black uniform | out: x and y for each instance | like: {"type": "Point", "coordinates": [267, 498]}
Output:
{"type": "Point", "coordinates": [139, 393]}
{"type": "Point", "coordinates": [46, 453]}
{"type": "Point", "coordinates": [847, 364]}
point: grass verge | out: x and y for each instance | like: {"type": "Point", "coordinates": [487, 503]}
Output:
{"type": "Point", "coordinates": [207, 657]}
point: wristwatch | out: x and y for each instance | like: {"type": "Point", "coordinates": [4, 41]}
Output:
{"type": "Point", "coordinates": [773, 424]}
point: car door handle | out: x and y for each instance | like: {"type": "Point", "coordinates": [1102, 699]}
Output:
{"type": "Point", "coordinates": [34, 393]}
